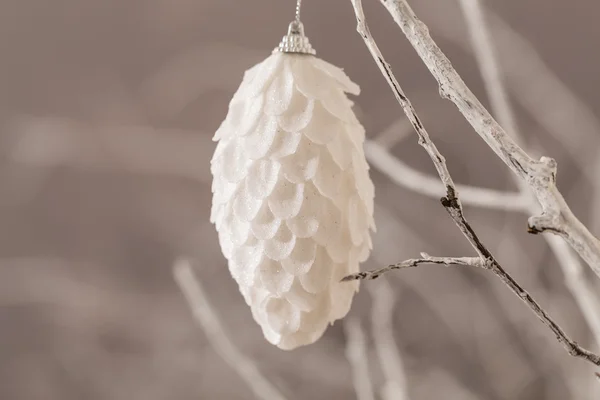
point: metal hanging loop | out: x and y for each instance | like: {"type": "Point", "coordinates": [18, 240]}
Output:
{"type": "Point", "coordinates": [295, 41]}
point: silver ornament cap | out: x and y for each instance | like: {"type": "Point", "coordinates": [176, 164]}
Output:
{"type": "Point", "coordinates": [295, 41]}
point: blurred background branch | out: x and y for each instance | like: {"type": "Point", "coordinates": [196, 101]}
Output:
{"type": "Point", "coordinates": [208, 320]}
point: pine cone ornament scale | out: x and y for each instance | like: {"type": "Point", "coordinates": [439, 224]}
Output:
{"type": "Point", "coordinates": [292, 196]}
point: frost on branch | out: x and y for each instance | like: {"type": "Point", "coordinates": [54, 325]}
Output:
{"type": "Point", "coordinates": [293, 200]}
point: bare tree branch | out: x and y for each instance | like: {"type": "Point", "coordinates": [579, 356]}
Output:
{"type": "Point", "coordinates": [540, 175]}
{"type": "Point", "coordinates": [451, 201]}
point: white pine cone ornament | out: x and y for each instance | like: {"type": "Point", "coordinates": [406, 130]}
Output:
{"type": "Point", "coordinates": [292, 196]}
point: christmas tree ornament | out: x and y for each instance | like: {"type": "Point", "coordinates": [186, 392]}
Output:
{"type": "Point", "coordinates": [292, 196]}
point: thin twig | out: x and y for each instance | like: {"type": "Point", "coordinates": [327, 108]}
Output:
{"type": "Point", "coordinates": [451, 201]}
{"type": "Point", "coordinates": [395, 387]}
{"type": "Point", "coordinates": [415, 262]}
{"type": "Point", "coordinates": [556, 216]}
{"type": "Point", "coordinates": [218, 338]}
{"type": "Point", "coordinates": [427, 185]}
{"type": "Point", "coordinates": [356, 352]}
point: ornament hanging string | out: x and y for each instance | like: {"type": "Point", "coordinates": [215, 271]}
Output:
{"type": "Point", "coordinates": [298, 5]}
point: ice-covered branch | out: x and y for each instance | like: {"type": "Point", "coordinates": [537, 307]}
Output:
{"type": "Point", "coordinates": [540, 175]}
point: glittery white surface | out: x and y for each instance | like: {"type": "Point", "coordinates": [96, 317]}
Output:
{"type": "Point", "coordinates": [292, 196]}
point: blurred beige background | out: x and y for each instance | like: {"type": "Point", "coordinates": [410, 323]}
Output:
{"type": "Point", "coordinates": [107, 109]}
